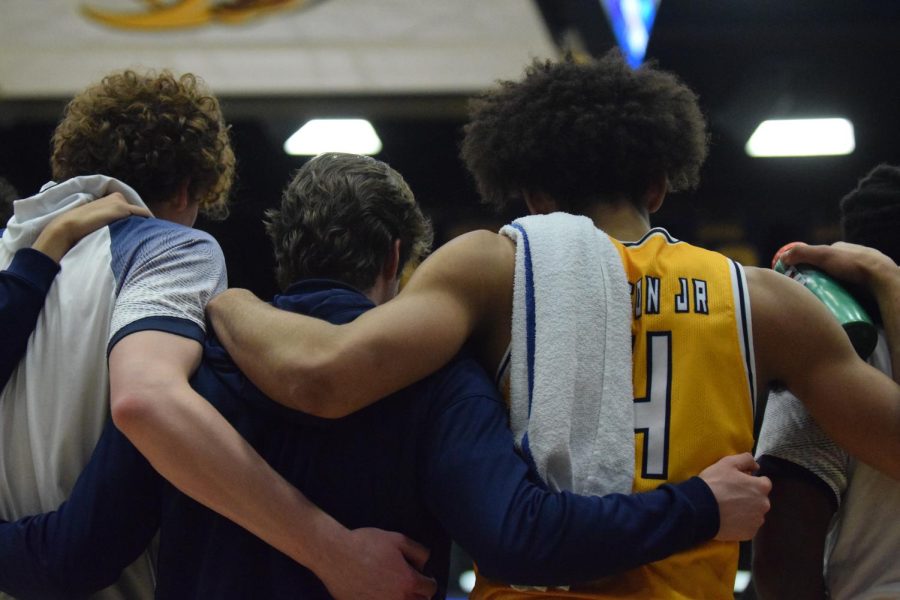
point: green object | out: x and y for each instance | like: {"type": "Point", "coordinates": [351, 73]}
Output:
{"type": "Point", "coordinates": [852, 317]}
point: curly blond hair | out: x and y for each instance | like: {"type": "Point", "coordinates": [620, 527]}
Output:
{"type": "Point", "coordinates": [152, 131]}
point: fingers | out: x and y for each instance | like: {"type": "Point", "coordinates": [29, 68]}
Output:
{"type": "Point", "coordinates": [803, 253]}
{"type": "Point", "coordinates": [139, 211]}
{"type": "Point", "coordinates": [425, 587]}
{"type": "Point", "coordinates": [416, 554]}
{"type": "Point", "coordinates": [120, 206]}
{"type": "Point", "coordinates": [742, 462]}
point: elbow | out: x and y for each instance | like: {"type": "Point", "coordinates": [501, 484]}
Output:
{"type": "Point", "coordinates": [312, 384]}
{"type": "Point", "coordinates": [132, 412]}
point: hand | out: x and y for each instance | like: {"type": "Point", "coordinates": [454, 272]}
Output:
{"type": "Point", "coordinates": [743, 499]}
{"type": "Point", "coordinates": [371, 564]}
{"type": "Point", "coordinates": [849, 262]}
{"type": "Point", "coordinates": [67, 229]}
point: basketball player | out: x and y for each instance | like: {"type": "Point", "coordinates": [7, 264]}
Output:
{"type": "Point", "coordinates": [135, 292]}
{"type": "Point", "coordinates": [26, 281]}
{"type": "Point", "coordinates": [829, 509]}
{"type": "Point", "coordinates": [434, 461]}
{"type": "Point", "coordinates": [608, 142]}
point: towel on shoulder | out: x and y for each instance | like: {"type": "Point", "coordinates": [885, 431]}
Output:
{"type": "Point", "coordinates": [571, 405]}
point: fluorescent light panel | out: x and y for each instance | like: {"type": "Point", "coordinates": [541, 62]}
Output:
{"type": "Point", "coordinates": [354, 136]}
{"type": "Point", "coordinates": [802, 137]}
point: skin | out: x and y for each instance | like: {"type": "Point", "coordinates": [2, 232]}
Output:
{"type": "Point", "coordinates": [153, 404]}
{"type": "Point", "coordinates": [788, 551]}
{"type": "Point", "coordinates": [66, 230]}
{"type": "Point", "coordinates": [340, 369]}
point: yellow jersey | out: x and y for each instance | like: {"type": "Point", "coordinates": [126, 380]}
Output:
{"type": "Point", "coordinates": [694, 394]}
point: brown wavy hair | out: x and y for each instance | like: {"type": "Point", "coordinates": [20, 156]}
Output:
{"type": "Point", "coordinates": [338, 217]}
{"type": "Point", "coordinates": [584, 133]}
{"type": "Point", "coordinates": [152, 131]}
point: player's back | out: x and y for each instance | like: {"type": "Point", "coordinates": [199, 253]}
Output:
{"type": "Point", "coordinates": [694, 392]}
{"type": "Point", "coordinates": [56, 402]}
{"type": "Point", "coordinates": [693, 389]}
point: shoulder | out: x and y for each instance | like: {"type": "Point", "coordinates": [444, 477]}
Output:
{"type": "Point", "coordinates": [135, 241]}
{"type": "Point", "coordinates": [135, 231]}
{"type": "Point", "coordinates": [476, 251]}
{"type": "Point", "coordinates": [475, 270]}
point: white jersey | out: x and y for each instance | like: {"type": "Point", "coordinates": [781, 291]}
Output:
{"type": "Point", "coordinates": [136, 274]}
{"type": "Point", "coordinates": [864, 536]}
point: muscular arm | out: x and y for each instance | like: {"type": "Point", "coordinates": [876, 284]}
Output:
{"type": "Point", "coordinates": [193, 446]}
{"type": "Point", "coordinates": [331, 371]}
{"type": "Point", "coordinates": [788, 551]}
{"type": "Point", "coordinates": [867, 267]}
{"type": "Point", "coordinates": [799, 344]}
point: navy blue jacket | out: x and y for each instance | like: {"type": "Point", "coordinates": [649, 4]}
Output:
{"type": "Point", "coordinates": [23, 286]}
{"type": "Point", "coordinates": [433, 461]}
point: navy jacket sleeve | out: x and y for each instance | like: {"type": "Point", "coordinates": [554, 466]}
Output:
{"type": "Point", "coordinates": [23, 288]}
{"type": "Point", "coordinates": [516, 530]}
{"type": "Point", "coordinates": [108, 520]}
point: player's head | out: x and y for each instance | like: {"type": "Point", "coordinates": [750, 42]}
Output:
{"type": "Point", "coordinates": [585, 133]}
{"type": "Point", "coordinates": [8, 195]}
{"type": "Point", "coordinates": [340, 218]}
{"type": "Point", "coordinates": [154, 131]}
{"type": "Point", "coordinates": [870, 214]}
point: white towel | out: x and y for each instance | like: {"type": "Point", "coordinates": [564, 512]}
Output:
{"type": "Point", "coordinates": [34, 213]}
{"type": "Point", "coordinates": [572, 405]}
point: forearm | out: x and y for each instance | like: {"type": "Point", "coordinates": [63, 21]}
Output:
{"type": "Point", "coordinates": [519, 532]}
{"type": "Point", "coordinates": [197, 450]}
{"type": "Point", "coordinates": [557, 539]}
{"type": "Point", "coordinates": [23, 288]}
{"type": "Point", "coordinates": [334, 370]}
{"type": "Point", "coordinates": [107, 522]}
{"type": "Point", "coordinates": [280, 352]}
{"type": "Point", "coordinates": [887, 293]}
{"type": "Point", "coordinates": [192, 445]}
{"type": "Point", "coordinates": [788, 551]}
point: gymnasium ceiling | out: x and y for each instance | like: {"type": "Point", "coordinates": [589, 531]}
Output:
{"type": "Point", "coordinates": [409, 65]}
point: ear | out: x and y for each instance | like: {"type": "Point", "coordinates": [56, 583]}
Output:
{"type": "Point", "coordinates": [182, 198]}
{"type": "Point", "coordinates": [656, 193]}
{"type": "Point", "coordinates": [539, 203]}
{"type": "Point", "coordinates": [391, 266]}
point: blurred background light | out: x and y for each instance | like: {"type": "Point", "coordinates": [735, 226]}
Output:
{"type": "Point", "coordinates": [631, 22]}
{"type": "Point", "coordinates": [741, 581]}
{"type": "Point", "coordinates": [802, 137]}
{"type": "Point", "coordinates": [467, 581]}
{"type": "Point", "coordinates": [354, 136]}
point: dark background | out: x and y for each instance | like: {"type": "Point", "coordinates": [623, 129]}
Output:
{"type": "Point", "coordinates": [748, 60]}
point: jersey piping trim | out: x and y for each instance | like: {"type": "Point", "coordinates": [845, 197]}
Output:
{"type": "Point", "coordinates": [503, 369]}
{"type": "Point", "coordinates": [651, 233]}
{"type": "Point", "coordinates": [530, 325]}
{"type": "Point", "coordinates": [744, 326]}
{"type": "Point", "coordinates": [173, 325]}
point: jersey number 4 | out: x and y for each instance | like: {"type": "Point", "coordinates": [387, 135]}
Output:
{"type": "Point", "coordinates": [651, 413]}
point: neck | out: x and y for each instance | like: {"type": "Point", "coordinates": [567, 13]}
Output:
{"type": "Point", "coordinates": [621, 220]}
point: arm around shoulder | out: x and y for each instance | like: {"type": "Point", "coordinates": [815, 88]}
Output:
{"type": "Point", "coordinates": [799, 344]}
{"type": "Point", "coordinates": [332, 371]}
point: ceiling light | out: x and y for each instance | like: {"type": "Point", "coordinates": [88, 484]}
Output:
{"type": "Point", "coordinates": [802, 137]}
{"type": "Point", "coordinates": [354, 136]}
